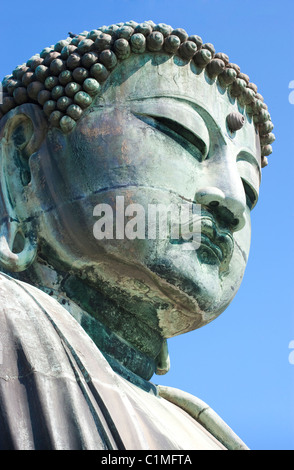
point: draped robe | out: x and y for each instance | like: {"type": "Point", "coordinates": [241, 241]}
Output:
{"type": "Point", "coordinates": [57, 390]}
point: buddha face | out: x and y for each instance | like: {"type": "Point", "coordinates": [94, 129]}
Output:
{"type": "Point", "coordinates": [157, 134]}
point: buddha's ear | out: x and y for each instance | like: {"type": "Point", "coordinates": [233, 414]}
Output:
{"type": "Point", "coordinates": [163, 360]}
{"type": "Point", "coordinates": [22, 132]}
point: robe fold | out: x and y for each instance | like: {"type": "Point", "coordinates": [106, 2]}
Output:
{"type": "Point", "coordinates": [58, 392]}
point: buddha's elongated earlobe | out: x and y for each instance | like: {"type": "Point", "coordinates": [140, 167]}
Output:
{"type": "Point", "coordinates": [24, 246]}
{"type": "Point", "coordinates": [163, 361]}
{"type": "Point", "coordinates": [22, 132]}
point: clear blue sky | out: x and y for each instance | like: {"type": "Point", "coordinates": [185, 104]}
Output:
{"type": "Point", "coordinates": [239, 364]}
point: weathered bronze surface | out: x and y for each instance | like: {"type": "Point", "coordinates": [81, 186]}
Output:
{"type": "Point", "coordinates": [126, 116]}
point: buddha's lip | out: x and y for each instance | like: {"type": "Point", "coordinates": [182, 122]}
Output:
{"type": "Point", "coordinates": [219, 241]}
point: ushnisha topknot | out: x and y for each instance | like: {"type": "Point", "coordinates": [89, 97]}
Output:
{"type": "Point", "coordinates": [64, 79]}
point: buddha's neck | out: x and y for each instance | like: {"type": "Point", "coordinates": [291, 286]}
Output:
{"type": "Point", "coordinates": [131, 348]}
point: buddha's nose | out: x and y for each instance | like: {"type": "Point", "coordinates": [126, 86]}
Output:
{"type": "Point", "coordinates": [228, 209]}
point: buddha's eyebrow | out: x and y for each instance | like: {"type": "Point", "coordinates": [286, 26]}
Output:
{"type": "Point", "coordinates": [178, 116]}
{"type": "Point", "coordinates": [249, 169]}
{"type": "Point", "coordinates": [181, 99]}
{"type": "Point", "coordinates": [246, 155]}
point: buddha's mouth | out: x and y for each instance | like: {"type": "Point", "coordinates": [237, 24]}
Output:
{"type": "Point", "coordinates": [214, 245]}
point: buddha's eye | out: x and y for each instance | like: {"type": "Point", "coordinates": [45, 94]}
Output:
{"type": "Point", "coordinates": [251, 197]}
{"type": "Point", "coordinates": [183, 136]}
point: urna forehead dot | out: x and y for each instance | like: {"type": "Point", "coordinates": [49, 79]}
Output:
{"type": "Point", "coordinates": [235, 121]}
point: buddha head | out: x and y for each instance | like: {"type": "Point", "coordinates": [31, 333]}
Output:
{"type": "Point", "coordinates": [133, 115]}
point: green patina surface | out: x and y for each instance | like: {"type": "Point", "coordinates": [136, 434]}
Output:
{"type": "Point", "coordinates": [161, 130]}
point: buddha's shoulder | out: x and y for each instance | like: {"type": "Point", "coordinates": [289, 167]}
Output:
{"type": "Point", "coordinates": [29, 317]}
{"type": "Point", "coordinates": [204, 415]}
{"type": "Point", "coordinates": [16, 295]}
{"type": "Point", "coordinates": [9, 284]}
{"type": "Point", "coordinates": [28, 313]}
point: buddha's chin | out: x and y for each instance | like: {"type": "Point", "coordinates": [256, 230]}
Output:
{"type": "Point", "coordinates": [192, 279]}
